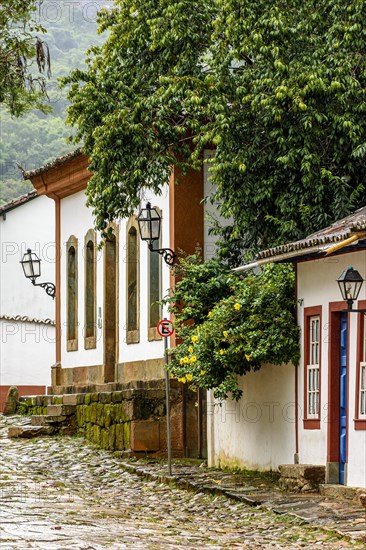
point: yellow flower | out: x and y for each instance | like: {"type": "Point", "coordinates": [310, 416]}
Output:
{"type": "Point", "coordinates": [193, 359]}
{"type": "Point", "coordinates": [190, 349]}
{"type": "Point", "coordinates": [194, 339]}
{"type": "Point", "coordinates": [181, 361]}
{"type": "Point", "coordinates": [222, 351]}
{"type": "Point", "coordinates": [248, 357]}
{"type": "Point", "coordinates": [185, 360]}
{"type": "Point", "coordinates": [183, 380]}
{"type": "Point", "coordinates": [237, 306]}
{"type": "Point", "coordinates": [189, 377]}
{"type": "Point", "coordinates": [209, 314]}
{"type": "Point", "coordinates": [225, 333]}
{"type": "Point", "coordinates": [202, 373]}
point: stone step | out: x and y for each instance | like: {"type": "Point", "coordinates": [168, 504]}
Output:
{"type": "Point", "coordinates": [301, 477]}
{"type": "Point", "coordinates": [47, 419]}
{"type": "Point", "coordinates": [342, 492]}
{"type": "Point", "coordinates": [61, 410]}
{"type": "Point", "coordinates": [70, 399]}
{"type": "Point", "coordinates": [40, 400]}
{"type": "Point", "coordinates": [30, 431]}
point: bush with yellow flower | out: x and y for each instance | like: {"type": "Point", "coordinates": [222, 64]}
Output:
{"type": "Point", "coordinates": [231, 325]}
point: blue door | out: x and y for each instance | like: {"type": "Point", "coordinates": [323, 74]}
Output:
{"type": "Point", "coordinates": [343, 397]}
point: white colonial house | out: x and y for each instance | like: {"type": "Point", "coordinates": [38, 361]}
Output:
{"type": "Point", "coordinates": [27, 314]}
{"type": "Point", "coordinates": [106, 300]}
{"type": "Point", "coordinates": [313, 414]}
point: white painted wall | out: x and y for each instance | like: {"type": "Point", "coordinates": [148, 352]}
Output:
{"type": "Point", "coordinates": [77, 219]}
{"type": "Point", "coordinates": [144, 349]}
{"type": "Point", "coordinates": [257, 432]}
{"type": "Point", "coordinates": [30, 225]}
{"type": "Point", "coordinates": [211, 211]}
{"type": "Point", "coordinates": [356, 471]}
{"type": "Point", "coordinates": [317, 286]}
{"type": "Point", "coordinates": [27, 350]}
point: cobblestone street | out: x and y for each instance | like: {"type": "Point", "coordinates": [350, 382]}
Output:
{"type": "Point", "coordinates": [61, 493]}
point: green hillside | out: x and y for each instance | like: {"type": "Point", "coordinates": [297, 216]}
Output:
{"type": "Point", "coordinates": [36, 138]}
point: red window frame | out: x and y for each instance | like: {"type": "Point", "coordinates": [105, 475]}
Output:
{"type": "Point", "coordinates": [359, 423]}
{"type": "Point", "coordinates": [311, 423]}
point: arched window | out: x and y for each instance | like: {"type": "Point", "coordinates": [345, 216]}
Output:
{"type": "Point", "coordinates": [72, 293]}
{"type": "Point", "coordinates": [133, 276]}
{"type": "Point", "coordinates": [154, 289]}
{"type": "Point", "coordinates": [90, 290]}
{"type": "Point", "coordinates": [111, 300]}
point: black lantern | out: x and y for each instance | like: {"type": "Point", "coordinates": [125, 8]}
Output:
{"type": "Point", "coordinates": [350, 283]}
{"type": "Point", "coordinates": [31, 265]}
{"type": "Point", "coordinates": [149, 222]}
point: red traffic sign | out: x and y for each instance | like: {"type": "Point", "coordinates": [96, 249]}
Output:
{"type": "Point", "coordinates": [165, 328]}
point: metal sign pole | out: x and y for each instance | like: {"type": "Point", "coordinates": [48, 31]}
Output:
{"type": "Point", "coordinates": [167, 394]}
{"type": "Point", "coordinates": [165, 329]}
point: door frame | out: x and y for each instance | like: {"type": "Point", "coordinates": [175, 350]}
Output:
{"type": "Point", "coordinates": [333, 431]}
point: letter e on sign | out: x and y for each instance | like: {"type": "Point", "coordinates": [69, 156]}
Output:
{"type": "Point", "coordinates": [165, 328]}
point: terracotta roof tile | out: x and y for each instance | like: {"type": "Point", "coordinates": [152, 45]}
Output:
{"type": "Point", "coordinates": [55, 162]}
{"type": "Point", "coordinates": [18, 201]}
{"type": "Point", "coordinates": [338, 231]}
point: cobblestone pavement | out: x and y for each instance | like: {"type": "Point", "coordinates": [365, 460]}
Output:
{"type": "Point", "coordinates": [345, 517]}
{"type": "Point", "coordinates": [61, 493]}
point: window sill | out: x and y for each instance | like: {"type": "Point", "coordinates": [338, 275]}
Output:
{"type": "Point", "coordinates": [153, 334]}
{"type": "Point", "coordinates": [360, 423]}
{"type": "Point", "coordinates": [133, 337]}
{"type": "Point", "coordinates": [72, 345]}
{"type": "Point", "coordinates": [90, 342]}
{"type": "Point", "coordinates": [312, 424]}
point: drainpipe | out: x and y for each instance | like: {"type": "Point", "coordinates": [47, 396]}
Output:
{"type": "Point", "coordinates": [58, 278]}
{"type": "Point", "coordinates": [296, 456]}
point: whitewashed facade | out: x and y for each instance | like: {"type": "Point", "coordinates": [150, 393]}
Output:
{"type": "Point", "coordinates": [293, 415]}
{"type": "Point", "coordinates": [27, 315]}
{"type": "Point", "coordinates": [258, 431]}
{"type": "Point", "coordinates": [106, 321]}
{"type": "Point", "coordinates": [319, 297]}
{"type": "Point", "coordinates": [78, 226]}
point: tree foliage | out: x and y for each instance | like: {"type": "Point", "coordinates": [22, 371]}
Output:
{"type": "Point", "coordinates": [36, 138]}
{"type": "Point", "coordinates": [278, 89]}
{"type": "Point", "coordinates": [231, 325]}
{"type": "Point", "coordinates": [21, 49]}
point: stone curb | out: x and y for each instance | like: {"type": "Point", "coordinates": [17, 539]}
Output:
{"type": "Point", "coordinates": [350, 531]}
{"type": "Point", "coordinates": [186, 484]}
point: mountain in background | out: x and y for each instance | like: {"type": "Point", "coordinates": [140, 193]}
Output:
{"type": "Point", "coordinates": [37, 138]}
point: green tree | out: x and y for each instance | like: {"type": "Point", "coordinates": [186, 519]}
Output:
{"type": "Point", "coordinates": [278, 89]}
{"type": "Point", "coordinates": [36, 138]}
{"type": "Point", "coordinates": [21, 46]}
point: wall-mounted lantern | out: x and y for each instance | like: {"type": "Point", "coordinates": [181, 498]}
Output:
{"type": "Point", "coordinates": [350, 283]}
{"type": "Point", "coordinates": [149, 222]}
{"type": "Point", "coordinates": [31, 265]}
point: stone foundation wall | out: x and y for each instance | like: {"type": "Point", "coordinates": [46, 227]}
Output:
{"type": "Point", "coordinates": [132, 421]}
{"type": "Point", "coordinates": [144, 371]}
{"type": "Point", "coordinates": [128, 420]}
